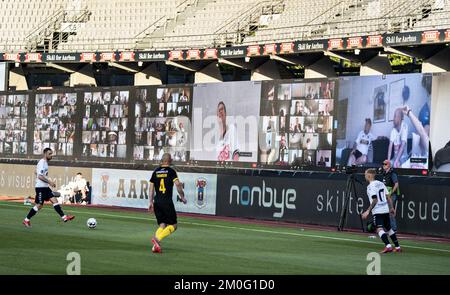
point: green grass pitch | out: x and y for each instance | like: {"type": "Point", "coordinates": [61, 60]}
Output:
{"type": "Point", "coordinates": [121, 245]}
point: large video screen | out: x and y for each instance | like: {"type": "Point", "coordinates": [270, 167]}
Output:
{"type": "Point", "coordinates": [162, 123]}
{"type": "Point", "coordinates": [296, 125]}
{"type": "Point", "coordinates": [55, 123]}
{"type": "Point", "coordinates": [386, 117]}
{"type": "Point", "coordinates": [13, 124]}
{"type": "Point", "coordinates": [225, 122]}
{"type": "Point", "coordinates": [105, 122]}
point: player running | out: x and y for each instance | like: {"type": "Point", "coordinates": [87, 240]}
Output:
{"type": "Point", "coordinates": [163, 179]}
{"type": "Point", "coordinates": [43, 191]}
{"type": "Point", "coordinates": [379, 206]}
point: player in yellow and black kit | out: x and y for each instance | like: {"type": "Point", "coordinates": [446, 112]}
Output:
{"type": "Point", "coordinates": [162, 181]}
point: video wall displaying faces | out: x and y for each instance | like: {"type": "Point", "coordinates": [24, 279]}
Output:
{"type": "Point", "coordinates": [162, 123]}
{"type": "Point", "coordinates": [13, 124]}
{"type": "Point", "coordinates": [386, 117]}
{"type": "Point", "coordinates": [105, 123]}
{"type": "Point", "coordinates": [317, 124]}
{"type": "Point", "coordinates": [55, 123]}
{"type": "Point", "coordinates": [296, 123]}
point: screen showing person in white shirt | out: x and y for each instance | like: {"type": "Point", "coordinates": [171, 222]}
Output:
{"type": "Point", "coordinates": [358, 156]}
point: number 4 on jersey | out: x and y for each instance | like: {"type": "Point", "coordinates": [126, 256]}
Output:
{"type": "Point", "coordinates": [162, 187]}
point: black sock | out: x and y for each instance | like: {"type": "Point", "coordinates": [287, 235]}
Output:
{"type": "Point", "coordinates": [385, 239]}
{"type": "Point", "coordinates": [394, 239]}
{"type": "Point", "coordinates": [58, 209]}
{"type": "Point", "coordinates": [31, 213]}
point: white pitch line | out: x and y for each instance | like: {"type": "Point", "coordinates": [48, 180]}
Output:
{"type": "Point", "coordinates": [253, 230]}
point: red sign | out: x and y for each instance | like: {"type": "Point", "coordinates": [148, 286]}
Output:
{"type": "Point", "coordinates": [88, 56]}
{"type": "Point", "coordinates": [210, 53]}
{"type": "Point", "coordinates": [335, 44]}
{"type": "Point", "coordinates": [430, 36]}
{"type": "Point", "coordinates": [12, 56]}
{"type": "Point", "coordinates": [374, 41]}
{"type": "Point", "coordinates": [127, 56]}
{"type": "Point", "coordinates": [354, 42]}
{"type": "Point", "coordinates": [253, 50]}
{"type": "Point", "coordinates": [270, 49]}
{"type": "Point", "coordinates": [193, 54]}
{"type": "Point", "coordinates": [108, 56]}
{"type": "Point", "coordinates": [287, 48]}
{"type": "Point", "coordinates": [176, 54]}
{"type": "Point", "coordinates": [33, 57]}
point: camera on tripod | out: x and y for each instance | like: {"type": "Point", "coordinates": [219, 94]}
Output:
{"type": "Point", "coordinates": [350, 169]}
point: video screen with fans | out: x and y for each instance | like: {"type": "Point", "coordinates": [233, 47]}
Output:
{"type": "Point", "coordinates": [162, 123]}
{"type": "Point", "coordinates": [55, 123]}
{"type": "Point", "coordinates": [105, 123]}
{"type": "Point", "coordinates": [384, 118]}
{"type": "Point", "coordinates": [296, 126]}
{"type": "Point", "coordinates": [13, 124]}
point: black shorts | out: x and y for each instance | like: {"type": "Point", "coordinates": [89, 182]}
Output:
{"type": "Point", "coordinates": [165, 212]}
{"type": "Point", "coordinates": [357, 154]}
{"type": "Point", "coordinates": [43, 194]}
{"type": "Point", "coordinates": [382, 221]}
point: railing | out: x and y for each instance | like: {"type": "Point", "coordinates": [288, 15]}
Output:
{"type": "Point", "coordinates": [43, 30]}
{"type": "Point", "coordinates": [281, 34]}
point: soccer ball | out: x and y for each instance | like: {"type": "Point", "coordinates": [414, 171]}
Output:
{"type": "Point", "coordinates": [91, 223]}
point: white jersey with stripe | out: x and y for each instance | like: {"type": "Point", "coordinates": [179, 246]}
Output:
{"type": "Point", "coordinates": [378, 189]}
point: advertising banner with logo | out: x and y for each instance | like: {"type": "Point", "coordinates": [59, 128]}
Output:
{"type": "Point", "coordinates": [131, 188]}
{"type": "Point", "coordinates": [200, 191]}
{"type": "Point", "coordinates": [421, 209]}
{"type": "Point", "coordinates": [124, 188]}
{"type": "Point", "coordinates": [19, 180]}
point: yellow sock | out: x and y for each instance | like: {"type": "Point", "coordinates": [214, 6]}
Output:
{"type": "Point", "coordinates": [158, 232]}
{"type": "Point", "coordinates": [166, 232]}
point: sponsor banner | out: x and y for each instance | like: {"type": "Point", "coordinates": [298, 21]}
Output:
{"type": "Point", "coordinates": [200, 191]}
{"type": "Point", "coordinates": [402, 39]}
{"type": "Point", "coordinates": [62, 57]}
{"type": "Point", "coordinates": [193, 54]}
{"type": "Point", "coordinates": [286, 48]}
{"type": "Point", "coordinates": [254, 50]}
{"type": "Point", "coordinates": [131, 188]}
{"type": "Point", "coordinates": [33, 57]}
{"type": "Point", "coordinates": [88, 57]}
{"type": "Point", "coordinates": [19, 180]}
{"type": "Point", "coordinates": [374, 41]}
{"type": "Point", "coordinates": [240, 51]}
{"type": "Point", "coordinates": [422, 208]}
{"type": "Point", "coordinates": [316, 45]}
{"type": "Point", "coordinates": [270, 49]}
{"type": "Point", "coordinates": [152, 55]}
{"type": "Point", "coordinates": [176, 55]}
{"type": "Point", "coordinates": [127, 56]}
{"type": "Point", "coordinates": [210, 53]}
{"type": "Point", "coordinates": [335, 44]}
{"type": "Point", "coordinates": [107, 56]}
{"type": "Point", "coordinates": [124, 188]}
{"type": "Point", "coordinates": [355, 42]}
{"type": "Point", "coordinates": [431, 36]}
{"type": "Point", "coordinates": [15, 57]}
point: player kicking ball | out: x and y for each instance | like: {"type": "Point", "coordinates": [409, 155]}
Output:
{"type": "Point", "coordinates": [43, 191]}
{"type": "Point", "coordinates": [379, 206]}
{"type": "Point", "coordinates": [162, 181]}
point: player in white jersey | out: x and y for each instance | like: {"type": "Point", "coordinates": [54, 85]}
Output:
{"type": "Point", "coordinates": [43, 191]}
{"type": "Point", "coordinates": [379, 207]}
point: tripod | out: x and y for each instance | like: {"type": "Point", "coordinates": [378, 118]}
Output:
{"type": "Point", "coordinates": [350, 189]}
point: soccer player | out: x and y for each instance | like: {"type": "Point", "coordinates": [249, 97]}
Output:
{"type": "Point", "coordinates": [376, 191]}
{"type": "Point", "coordinates": [162, 181]}
{"type": "Point", "coordinates": [43, 191]}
